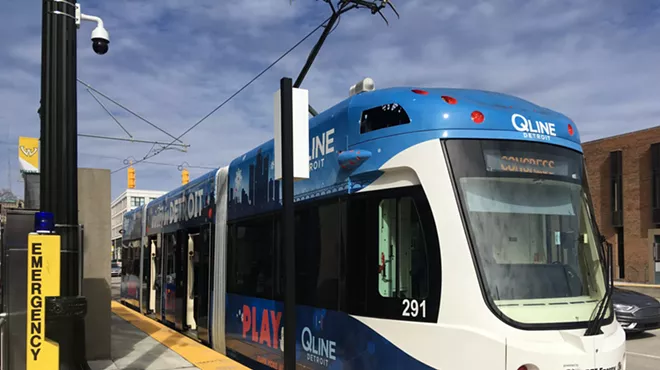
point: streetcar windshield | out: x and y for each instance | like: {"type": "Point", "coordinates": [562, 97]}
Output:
{"type": "Point", "coordinates": [531, 224]}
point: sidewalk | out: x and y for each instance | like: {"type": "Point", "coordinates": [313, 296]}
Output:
{"type": "Point", "coordinates": [140, 343]}
{"type": "Point", "coordinates": [133, 349]}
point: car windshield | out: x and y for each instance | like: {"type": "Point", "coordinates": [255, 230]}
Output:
{"type": "Point", "coordinates": [115, 265]}
{"type": "Point", "coordinates": [531, 225]}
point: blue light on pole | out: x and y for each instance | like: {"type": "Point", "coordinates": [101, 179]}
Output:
{"type": "Point", "coordinates": [44, 223]}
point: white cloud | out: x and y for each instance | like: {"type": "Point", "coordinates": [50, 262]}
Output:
{"type": "Point", "coordinates": [173, 61]}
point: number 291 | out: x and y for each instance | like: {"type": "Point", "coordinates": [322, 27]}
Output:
{"type": "Point", "coordinates": [413, 308]}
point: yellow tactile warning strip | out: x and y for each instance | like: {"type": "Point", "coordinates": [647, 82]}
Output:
{"type": "Point", "coordinates": [194, 352]}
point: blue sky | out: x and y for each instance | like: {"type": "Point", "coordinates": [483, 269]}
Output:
{"type": "Point", "coordinates": [173, 61]}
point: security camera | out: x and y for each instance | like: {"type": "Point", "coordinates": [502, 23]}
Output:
{"type": "Point", "coordinates": [100, 36]}
{"type": "Point", "coordinates": [100, 40]}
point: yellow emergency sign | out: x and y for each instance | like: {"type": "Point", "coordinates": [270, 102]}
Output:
{"type": "Point", "coordinates": [43, 280]}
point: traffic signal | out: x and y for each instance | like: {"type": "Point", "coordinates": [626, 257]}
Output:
{"type": "Point", "coordinates": [185, 176]}
{"type": "Point", "coordinates": [131, 177]}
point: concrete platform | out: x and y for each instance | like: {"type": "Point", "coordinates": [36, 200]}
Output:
{"type": "Point", "coordinates": [133, 349]}
{"type": "Point", "coordinates": [140, 343]}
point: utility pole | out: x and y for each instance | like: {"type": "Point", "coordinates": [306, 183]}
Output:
{"type": "Point", "coordinates": [59, 168]}
{"type": "Point", "coordinates": [59, 142]}
{"type": "Point", "coordinates": [291, 164]}
{"type": "Point", "coordinates": [288, 224]}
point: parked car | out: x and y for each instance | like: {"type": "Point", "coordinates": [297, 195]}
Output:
{"type": "Point", "coordinates": [636, 312]}
{"type": "Point", "coordinates": [115, 268]}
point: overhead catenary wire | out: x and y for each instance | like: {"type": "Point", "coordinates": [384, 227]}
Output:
{"type": "Point", "coordinates": [128, 110]}
{"type": "Point", "coordinates": [187, 165]}
{"type": "Point", "coordinates": [109, 113]}
{"type": "Point", "coordinates": [179, 166]}
{"type": "Point", "coordinates": [132, 140]}
{"type": "Point", "coordinates": [151, 155]}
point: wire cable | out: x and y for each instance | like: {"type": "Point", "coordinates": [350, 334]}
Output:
{"type": "Point", "coordinates": [231, 96]}
{"type": "Point", "coordinates": [108, 111]}
{"type": "Point", "coordinates": [128, 110]}
{"type": "Point", "coordinates": [203, 167]}
{"type": "Point", "coordinates": [131, 139]}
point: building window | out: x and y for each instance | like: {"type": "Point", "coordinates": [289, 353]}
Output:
{"type": "Point", "coordinates": [616, 181]}
{"type": "Point", "coordinates": [656, 250]}
{"type": "Point", "coordinates": [655, 183]}
{"type": "Point", "coordinates": [621, 260]}
{"type": "Point", "coordinates": [137, 201]}
{"type": "Point", "coordinates": [616, 206]}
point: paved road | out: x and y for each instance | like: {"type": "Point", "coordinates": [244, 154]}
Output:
{"type": "Point", "coordinates": [644, 351]}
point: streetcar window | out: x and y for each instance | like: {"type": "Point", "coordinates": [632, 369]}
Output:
{"type": "Point", "coordinates": [251, 258]}
{"type": "Point", "coordinates": [384, 116]}
{"type": "Point", "coordinates": [391, 264]}
{"type": "Point", "coordinates": [531, 228]}
{"type": "Point", "coordinates": [402, 260]}
{"type": "Point", "coordinates": [318, 241]}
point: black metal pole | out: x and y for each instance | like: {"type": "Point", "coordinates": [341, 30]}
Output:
{"type": "Point", "coordinates": [59, 162]}
{"type": "Point", "coordinates": [59, 174]}
{"type": "Point", "coordinates": [288, 225]}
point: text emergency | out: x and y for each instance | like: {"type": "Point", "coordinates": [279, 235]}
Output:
{"type": "Point", "coordinates": [36, 301]}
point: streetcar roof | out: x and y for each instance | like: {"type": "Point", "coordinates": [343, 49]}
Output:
{"type": "Point", "coordinates": [428, 110]}
{"type": "Point", "coordinates": [202, 191]}
{"type": "Point", "coordinates": [412, 115]}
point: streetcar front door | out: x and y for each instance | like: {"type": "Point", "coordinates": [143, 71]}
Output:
{"type": "Point", "coordinates": [197, 292]}
{"type": "Point", "coordinates": [148, 276]}
{"type": "Point", "coordinates": [202, 285]}
{"type": "Point", "coordinates": [170, 263]}
{"type": "Point", "coordinates": [159, 281]}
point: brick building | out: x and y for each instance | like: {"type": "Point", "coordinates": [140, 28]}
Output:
{"type": "Point", "coordinates": [624, 180]}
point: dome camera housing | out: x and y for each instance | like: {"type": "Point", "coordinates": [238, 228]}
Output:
{"type": "Point", "coordinates": [100, 40]}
